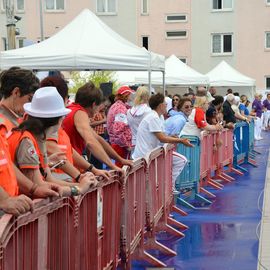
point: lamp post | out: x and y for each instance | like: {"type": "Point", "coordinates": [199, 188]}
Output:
{"type": "Point", "coordinates": [11, 30]}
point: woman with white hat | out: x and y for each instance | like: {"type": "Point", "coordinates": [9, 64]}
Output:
{"type": "Point", "coordinates": [27, 141]}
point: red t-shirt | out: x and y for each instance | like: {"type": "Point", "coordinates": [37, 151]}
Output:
{"type": "Point", "coordinates": [200, 118]}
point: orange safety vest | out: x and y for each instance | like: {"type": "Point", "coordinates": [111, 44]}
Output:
{"type": "Point", "coordinates": [14, 141]}
{"type": "Point", "coordinates": [7, 124]}
{"type": "Point", "coordinates": [8, 179]}
{"type": "Point", "coordinates": [64, 145]}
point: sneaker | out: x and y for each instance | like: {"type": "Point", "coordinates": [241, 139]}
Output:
{"type": "Point", "coordinates": [175, 192]}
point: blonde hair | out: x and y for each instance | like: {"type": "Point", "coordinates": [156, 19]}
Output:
{"type": "Point", "coordinates": [142, 95]}
{"type": "Point", "coordinates": [200, 101]}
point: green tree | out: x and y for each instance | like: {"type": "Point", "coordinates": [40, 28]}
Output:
{"type": "Point", "coordinates": [97, 77]}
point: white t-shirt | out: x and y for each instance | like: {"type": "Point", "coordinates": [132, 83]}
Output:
{"type": "Point", "coordinates": [146, 139]}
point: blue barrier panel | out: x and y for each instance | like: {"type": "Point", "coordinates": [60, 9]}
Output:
{"type": "Point", "coordinates": [188, 180]}
{"type": "Point", "coordinates": [242, 145]}
{"type": "Point", "coordinates": [251, 135]}
{"type": "Point", "coordinates": [190, 176]}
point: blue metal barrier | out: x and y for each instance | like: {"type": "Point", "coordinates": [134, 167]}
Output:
{"type": "Point", "coordinates": [242, 145]}
{"type": "Point", "coordinates": [188, 181]}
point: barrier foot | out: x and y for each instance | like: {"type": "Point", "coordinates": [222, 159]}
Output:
{"type": "Point", "coordinates": [215, 184]}
{"type": "Point", "coordinates": [241, 168]}
{"type": "Point", "coordinates": [256, 152]}
{"type": "Point", "coordinates": [236, 171]}
{"type": "Point", "coordinates": [179, 211]}
{"type": "Point", "coordinates": [224, 178]}
{"type": "Point", "coordinates": [177, 224]}
{"type": "Point", "coordinates": [251, 155]}
{"type": "Point", "coordinates": [208, 193]}
{"type": "Point", "coordinates": [170, 230]}
{"type": "Point", "coordinates": [227, 176]}
{"type": "Point", "coordinates": [152, 243]}
{"type": "Point", "coordinates": [252, 162]}
{"type": "Point", "coordinates": [201, 198]}
{"type": "Point", "coordinates": [185, 203]}
{"type": "Point", "coordinates": [145, 256]}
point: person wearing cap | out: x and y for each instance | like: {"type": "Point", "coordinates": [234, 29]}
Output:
{"type": "Point", "coordinates": [197, 119]}
{"type": "Point", "coordinates": [119, 131]}
{"type": "Point", "coordinates": [81, 135]}
{"type": "Point", "coordinates": [27, 141]}
{"type": "Point", "coordinates": [57, 140]}
{"type": "Point", "coordinates": [17, 86]}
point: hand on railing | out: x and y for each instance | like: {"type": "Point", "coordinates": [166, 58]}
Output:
{"type": "Point", "coordinates": [86, 181]}
{"type": "Point", "coordinates": [219, 126]}
{"type": "Point", "coordinates": [46, 190]}
{"type": "Point", "coordinates": [101, 173]}
{"type": "Point", "coordinates": [186, 142]}
{"type": "Point", "coordinates": [16, 205]}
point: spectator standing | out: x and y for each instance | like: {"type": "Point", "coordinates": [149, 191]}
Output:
{"type": "Point", "coordinates": [257, 110]}
{"type": "Point", "coordinates": [151, 134]}
{"type": "Point", "coordinates": [138, 111]}
{"type": "Point", "coordinates": [213, 113]}
{"type": "Point", "coordinates": [266, 114]}
{"type": "Point", "coordinates": [175, 101]}
{"type": "Point", "coordinates": [117, 124]}
{"type": "Point", "coordinates": [228, 113]}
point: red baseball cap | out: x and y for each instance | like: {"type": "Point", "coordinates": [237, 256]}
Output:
{"type": "Point", "coordinates": [124, 90]}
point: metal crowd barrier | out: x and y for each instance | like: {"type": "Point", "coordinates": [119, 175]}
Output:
{"type": "Point", "coordinates": [188, 181]}
{"type": "Point", "coordinates": [38, 240]}
{"type": "Point", "coordinates": [241, 146]}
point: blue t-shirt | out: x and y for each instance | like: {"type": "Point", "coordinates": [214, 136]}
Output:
{"type": "Point", "coordinates": [175, 123]}
{"type": "Point", "coordinates": [242, 107]}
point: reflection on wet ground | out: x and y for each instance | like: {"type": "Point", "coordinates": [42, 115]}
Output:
{"type": "Point", "coordinates": [222, 237]}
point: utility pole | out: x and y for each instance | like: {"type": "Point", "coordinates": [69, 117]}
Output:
{"type": "Point", "coordinates": [11, 30]}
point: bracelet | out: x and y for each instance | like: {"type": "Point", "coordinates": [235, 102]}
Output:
{"type": "Point", "coordinates": [90, 168]}
{"type": "Point", "coordinates": [74, 191]}
{"type": "Point", "coordinates": [78, 177]}
{"type": "Point", "coordinates": [32, 190]}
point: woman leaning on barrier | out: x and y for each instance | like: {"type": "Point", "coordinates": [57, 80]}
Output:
{"type": "Point", "coordinates": [27, 141]}
{"type": "Point", "coordinates": [197, 119]}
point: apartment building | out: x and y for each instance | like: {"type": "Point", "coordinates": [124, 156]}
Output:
{"type": "Point", "coordinates": [164, 27]}
{"type": "Point", "coordinates": [237, 31]}
{"type": "Point", "coordinates": [49, 16]}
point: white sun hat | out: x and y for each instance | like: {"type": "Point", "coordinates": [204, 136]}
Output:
{"type": "Point", "coordinates": [46, 103]}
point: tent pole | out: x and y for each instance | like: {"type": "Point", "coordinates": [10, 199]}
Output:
{"type": "Point", "coordinates": [163, 81]}
{"type": "Point", "coordinates": [149, 81]}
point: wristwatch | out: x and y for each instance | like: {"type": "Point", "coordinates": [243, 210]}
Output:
{"type": "Point", "coordinates": [74, 191]}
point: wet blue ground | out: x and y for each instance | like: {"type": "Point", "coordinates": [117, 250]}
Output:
{"type": "Point", "coordinates": [223, 236]}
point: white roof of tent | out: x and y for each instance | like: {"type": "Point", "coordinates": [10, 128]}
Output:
{"type": "Point", "coordinates": [225, 75]}
{"type": "Point", "coordinates": [86, 43]}
{"type": "Point", "coordinates": [176, 73]}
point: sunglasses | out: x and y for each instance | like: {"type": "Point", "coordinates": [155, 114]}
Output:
{"type": "Point", "coordinates": [187, 107]}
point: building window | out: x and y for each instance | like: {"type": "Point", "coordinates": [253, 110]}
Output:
{"type": "Point", "coordinates": [145, 42]}
{"type": "Point", "coordinates": [184, 60]}
{"type": "Point", "coordinates": [106, 6]}
{"type": "Point", "coordinates": [221, 43]}
{"type": "Point", "coordinates": [20, 42]}
{"type": "Point", "coordinates": [267, 40]}
{"type": "Point", "coordinates": [54, 5]}
{"type": "Point", "coordinates": [176, 18]}
{"type": "Point", "coordinates": [176, 34]}
{"type": "Point", "coordinates": [267, 82]}
{"type": "Point", "coordinates": [222, 4]}
{"type": "Point", "coordinates": [20, 5]}
{"type": "Point", "coordinates": [144, 7]}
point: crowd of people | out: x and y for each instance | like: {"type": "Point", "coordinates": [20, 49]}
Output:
{"type": "Point", "coordinates": [44, 139]}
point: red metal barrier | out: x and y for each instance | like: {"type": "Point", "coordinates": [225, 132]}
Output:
{"type": "Point", "coordinates": [97, 222]}
{"type": "Point", "coordinates": [208, 163]}
{"type": "Point", "coordinates": [133, 215]}
{"type": "Point", "coordinates": [38, 240]}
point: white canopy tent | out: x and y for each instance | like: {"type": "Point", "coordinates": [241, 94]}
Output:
{"type": "Point", "coordinates": [176, 73]}
{"type": "Point", "coordinates": [225, 75]}
{"type": "Point", "coordinates": [86, 43]}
